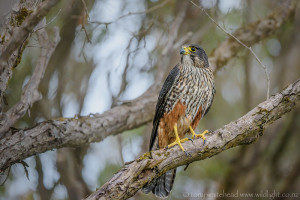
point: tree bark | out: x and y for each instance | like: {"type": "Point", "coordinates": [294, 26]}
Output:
{"type": "Point", "coordinates": [16, 145]}
{"type": "Point", "coordinates": [30, 92]}
{"type": "Point", "coordinates": [17, 41]}
{"type": "Point", "coordinates": [245, 130]}
{"type": "Point", "coordinates": [251, 34]}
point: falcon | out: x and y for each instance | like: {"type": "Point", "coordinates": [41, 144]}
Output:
{"type": "Point", "coordinates": [184, 99]}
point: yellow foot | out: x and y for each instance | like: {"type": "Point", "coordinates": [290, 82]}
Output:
{"type": "Point", "coordinates": [178, 140]}
{"type": "Point", "coordinates": [179, 143]}
{"type": "Point", "coordinates": [198, 135]}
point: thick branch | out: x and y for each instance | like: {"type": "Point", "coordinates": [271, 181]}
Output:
{"type": "Point", "coordinates": [30, 92]}
{"type": "Point", "coordinates": [251, 34]}
{"type": "Point", "coordinates": [245, 130]}
{"type": "Point", "coordinates": [18, 38]}
{"type": "Point", "coordinates": [17, 145]}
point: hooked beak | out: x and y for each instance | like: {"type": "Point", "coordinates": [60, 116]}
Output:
{"type": "Point", "coordinates": [183, 51]}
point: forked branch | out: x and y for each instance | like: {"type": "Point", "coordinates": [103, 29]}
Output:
{"type": "Point", "coordinates": [16, 145]}
{"type": "Point", "coordinates": [245, 130]}
{"type": "Point", "coordinates": [30, 93]}
{"type": "Point", "coordinates": [18, 39]}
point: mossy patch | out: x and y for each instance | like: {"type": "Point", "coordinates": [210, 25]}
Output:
{"type": "Point", "coordinates": [20, 53]}
{"type": "Point", "coordinates": [2, 40]}
{"type": "Point", "coordinates": [19, 17]}
{"type": "Point", "coordinates": [144, 156]}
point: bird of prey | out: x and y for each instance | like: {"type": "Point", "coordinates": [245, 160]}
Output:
{"type": "Point", "coordinates": [184, 99]}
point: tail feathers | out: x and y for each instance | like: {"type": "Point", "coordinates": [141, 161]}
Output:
{"type": "Point", "coordinates": [169, 180]}
{"type": "Point", "coordinates": [149, 187]}
{"type": "Point", "coordinates": [161, 186]}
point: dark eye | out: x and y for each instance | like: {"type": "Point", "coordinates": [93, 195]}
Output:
{"type": "Point", "coordinates": [193, 49]}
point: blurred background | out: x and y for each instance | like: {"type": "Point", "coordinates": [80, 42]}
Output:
{"type": "Point", "coordinates": [117, 57]}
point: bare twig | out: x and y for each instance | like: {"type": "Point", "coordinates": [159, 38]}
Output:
{"type": "Point", "coordinates": [169, 48]}
{"type": "Point", "coordinates": [239, 41]}
{"type": "Point", "coordinates": [4, 176]}
{"type": "Point", "coordinates": [17, 40]}
{"type": "Point", "coordinates": [183, 40]}
{"type": "Point", "coordinates": [174, 28]}
{"type": "Point", "coordinates": [85, 15]}
{"type": "Point", "coordinates": [85, 9]}
{"type": "Point", "coordinates": [52, 20]}
{"type": "Point", "coordinates": [252, 33]}
{"type": "Point", "coordinates": [30, 92]}
{"type": "Point", "coordinates": [162, 4]}
{"type": "Point", "coordinates": [245, 130]}
{"type": "Point", "coordinates": [69, 132]}
{"type": "Point", "coordinates": [44, 192]}
{"type": "Point", "coordinates": [139, 36]}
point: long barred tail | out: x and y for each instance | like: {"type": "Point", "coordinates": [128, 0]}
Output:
{"type": "Point", "coordinates": [161, 186]}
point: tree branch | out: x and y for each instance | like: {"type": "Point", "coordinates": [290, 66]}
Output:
{"type": "Point", "coordinates": [30, 92]}
{"type": "Point", "coordinates": [162, 4]}
{"type": "Point", "coordinates": [16, 145]}
{"type": "Point", "coordinates": [245, 130]}
{"type": "Point", "coordinates": [241, 43]}
{"type": "Point", "coordinates": [17, 40]}
{"type": "Point", "coordinates": [251, 34]}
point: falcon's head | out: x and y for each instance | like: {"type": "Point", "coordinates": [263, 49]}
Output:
{"type": "Point", "coordinates": [193, 54]}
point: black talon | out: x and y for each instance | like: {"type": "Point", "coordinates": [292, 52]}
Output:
{"type": "Point", "coordinates": [187, 154]}
{"type": "Point", "coordinates": [191, 140]}
{"type": "Point", "coordinates": [204, 142]}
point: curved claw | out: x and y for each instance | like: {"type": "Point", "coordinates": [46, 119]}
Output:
{"type": "Point", "coordinates": [187, 154]}
{"type": "Point", "coordinates": [202, 135]}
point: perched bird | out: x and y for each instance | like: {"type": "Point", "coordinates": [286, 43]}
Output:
{"type": "Point", "coordinates": [184, 99]}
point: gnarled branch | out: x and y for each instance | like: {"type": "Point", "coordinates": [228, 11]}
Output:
{"type": "Point", "coordinates": [245, 130]}
{"type": "Point", "coordinates": [17, 41]}
{"type": "Point", "coordinates": [30, 92]}
{"type": "Point", "coordinates": [16, 145]}
{"type": "Point", "coordinates": [251, 34]}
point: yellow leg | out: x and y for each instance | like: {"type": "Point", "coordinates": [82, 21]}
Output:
{"type": "Point", "coordinates": [198, 135]}
{"type": "Point", "coordinates": [178, 141]}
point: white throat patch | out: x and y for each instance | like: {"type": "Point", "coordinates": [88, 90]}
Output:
{"type": "Point", "coordinates": [186, 60]}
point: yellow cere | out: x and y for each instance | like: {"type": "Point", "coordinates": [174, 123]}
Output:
{"type": "Point", "coordinates": [189, 49]}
